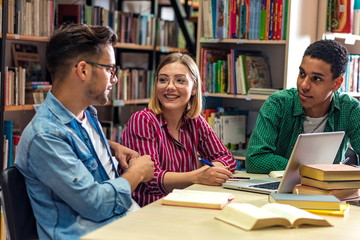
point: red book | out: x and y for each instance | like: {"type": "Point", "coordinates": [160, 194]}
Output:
{"type": "Point", "coordinates": [69, 13]}
{"type": "Point", "coordinates": [342, 19]}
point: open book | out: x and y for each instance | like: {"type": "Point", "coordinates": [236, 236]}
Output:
{"type": "Point", "coordinates": [201, 199]}
{"type": "Point", "coordinates": [250, 217]}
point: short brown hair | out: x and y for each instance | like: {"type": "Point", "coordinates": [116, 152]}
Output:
{"type": "Point", "coordinates": [195, 102]}
{"type": "Point", "coordinates": [73, 42]}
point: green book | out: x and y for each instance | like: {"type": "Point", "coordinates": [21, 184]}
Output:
{"type": "Point", "coordinates": [306, 201]}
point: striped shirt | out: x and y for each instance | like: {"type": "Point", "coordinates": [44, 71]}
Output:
{"type": "Point", "coordinates": [281, 120]}
{"type": "Point", "coordinates": [148, 134]}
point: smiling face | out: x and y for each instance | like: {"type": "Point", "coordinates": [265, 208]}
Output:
{"type": "Point", "coordinates": [316, 86]}
{"type": "Point", "coordinates": [100, 84]}
{"type": "Point", "coordinates": [176, 93]}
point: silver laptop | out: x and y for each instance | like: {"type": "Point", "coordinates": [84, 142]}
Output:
{"type": "Point", "coordinates": [310, 148]}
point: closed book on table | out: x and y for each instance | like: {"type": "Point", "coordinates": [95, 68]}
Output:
{"type": "Point", "coordinates": [341, 194]}
{"type": "Point", "coordinates": [200, 199]}
{"type": "Point", "coordinates": [330, 184]}
{"type": "Point", "coordinates": [305, 201]}
{"type": "Point", "coordinates": [330, 172]}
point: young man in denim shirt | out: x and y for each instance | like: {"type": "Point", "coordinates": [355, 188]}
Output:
{"type": "Point", "coordinates": [71, 177]}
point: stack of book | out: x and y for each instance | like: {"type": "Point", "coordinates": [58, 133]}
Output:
{"type": "Point", "coordinates": [342, 181]}
{"type": "Point", "coordinates": [35, 92]}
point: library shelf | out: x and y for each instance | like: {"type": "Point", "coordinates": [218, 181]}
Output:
{"type": "Point", "coordinates": [237, 96]}
{"type": "Point", "coordinates": [27, 38]}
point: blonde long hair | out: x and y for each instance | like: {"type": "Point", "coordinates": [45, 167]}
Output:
{"type": "Point", "coordinates": [195, 103]}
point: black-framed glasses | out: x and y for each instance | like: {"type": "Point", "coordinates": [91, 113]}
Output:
{"type": "Point", "coordinates": [113, 68]}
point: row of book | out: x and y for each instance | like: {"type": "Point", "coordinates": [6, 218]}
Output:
{"type": "Point", "coordinates": [136, 28]}
{"type": "Point", "coordinates": [352, 76]}
{"type": "Point", "coordinates": [233, 71]}
{"type": "Point", "coordinates": [33, 18]}
{"type": "Point", "coordinates": [245, 19]}
{"type": "Point", "coordinates": [133, 84]}
{"type": "Point", "coordinates": [113, 131]}
{"type": "Point", "coordinates": [20, 92]}
{"type": "Point", "coordinates": [230, 125]}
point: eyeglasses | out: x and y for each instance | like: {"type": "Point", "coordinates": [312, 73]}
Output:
{"type": "Point", "coordinates": [113, 69]}
{"type": "Point", "coordinates": [178, 81]}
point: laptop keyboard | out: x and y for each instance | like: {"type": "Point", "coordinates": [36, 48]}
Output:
{"type": "Point", "coordinates": [272, 185]}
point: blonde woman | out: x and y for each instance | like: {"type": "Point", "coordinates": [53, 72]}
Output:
{"type": "Point", "coordinates": [173, 132]}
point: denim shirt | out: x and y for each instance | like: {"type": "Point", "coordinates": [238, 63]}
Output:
{"type": "Point", "coordinates": [69, 190]}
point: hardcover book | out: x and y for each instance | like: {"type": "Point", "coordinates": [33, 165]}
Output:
{"type": "Point", "coordinates": [250, 217]}
{"type": "Point", "coordinates": [341, 194]}
{"type": "Point", "coordinates": [305, 201]}
{"type": "Point", "coordinates": [330, 184]}
{"type": "Point", "coordinates": [330, 172]}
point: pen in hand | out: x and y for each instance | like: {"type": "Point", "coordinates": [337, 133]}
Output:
{"type": "Point", "coordinates": [207, 162]}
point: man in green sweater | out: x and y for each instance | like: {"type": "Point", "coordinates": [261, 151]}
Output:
{"type": "Point", "coordinates": [314, 106]}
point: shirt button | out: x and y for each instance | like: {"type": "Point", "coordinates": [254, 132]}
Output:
{"type": "Point", "coordinates": [75, 180]}
{"type": "Point", "coordinates": [85, 139]}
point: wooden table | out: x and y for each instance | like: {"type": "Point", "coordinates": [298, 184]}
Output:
{"type": "Point", "coordinates": [156, 221]}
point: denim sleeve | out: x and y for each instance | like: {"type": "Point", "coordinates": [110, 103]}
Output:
{"type": "Point", "coordinates": [56, 164]}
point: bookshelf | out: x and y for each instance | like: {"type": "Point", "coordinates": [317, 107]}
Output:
{"type": "Point", "coordinates": [284, 55]}
{"type": "Point", "coordinates": [22, 114]}
{"type": "Point", "coordinates": [350, 41]}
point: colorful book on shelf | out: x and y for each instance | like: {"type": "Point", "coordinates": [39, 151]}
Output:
{"type": "Point", "coordinates": [306, 201]}
{"type": "Point", "coordinates": [279, 20]}
{"type": "Point", "coordinates": [267, 19]}
{"type": "Point", "coordinates": [329, 184]}
{"type": "Point", "coordinates": [330, 172]}
{"type": "Point", "coordinates": [258, 74]}
{"type": "Point", "coordinates": [341, 194]}
{"type": "Point", "coordinates": [262, 19]}
{"type": "Point", "coordinates": [199, 199]}
{"type": "Point", "coordinates": [8, 132]}
{"type": "Point", "coordinates": [342, 16]}
{"type": "Point", "coordinates": [250, 217]}
{"type": "Point", "coordinates": [210, 55]}
{"type": "Point", "coordinates": [271, 21]}
{"type": "Point", "coordinates": [220, 20]}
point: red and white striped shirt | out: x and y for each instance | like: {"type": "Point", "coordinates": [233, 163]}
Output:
{"type": "Point", "coordinates": [148, 134]}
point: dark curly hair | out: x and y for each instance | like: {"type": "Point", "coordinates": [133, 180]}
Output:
{"type": "Point", "coordinates": [72, 43]}
{"type": "Point", "coordinates": [331, 52]}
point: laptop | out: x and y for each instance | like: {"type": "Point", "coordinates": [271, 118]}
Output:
{"type": "Point", "coordinates": [310, 148]}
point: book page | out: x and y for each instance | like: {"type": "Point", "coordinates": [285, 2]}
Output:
{"type": "Point", "coordinates": [293, 214]}
{"type": "Point", "coordinates": [250, 217]}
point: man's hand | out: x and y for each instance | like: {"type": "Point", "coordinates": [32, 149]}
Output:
{"type": "Point", "coordinates": [141, 169]}
{"type": "Point", "coordinates": [122, 154]}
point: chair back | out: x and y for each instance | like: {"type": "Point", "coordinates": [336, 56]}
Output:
{"type": "Point", "coordinates": [19, 217]}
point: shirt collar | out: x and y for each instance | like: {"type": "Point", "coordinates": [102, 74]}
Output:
{"type": "Point", "coordinates": [61, 112]}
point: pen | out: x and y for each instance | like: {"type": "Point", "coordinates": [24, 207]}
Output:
{"type": "Point", "coordinates": [345, 160]}
{"type": "Point", "coordinates": [240, 177]}
{"type": "Point", "coordinates": [207, 162]}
